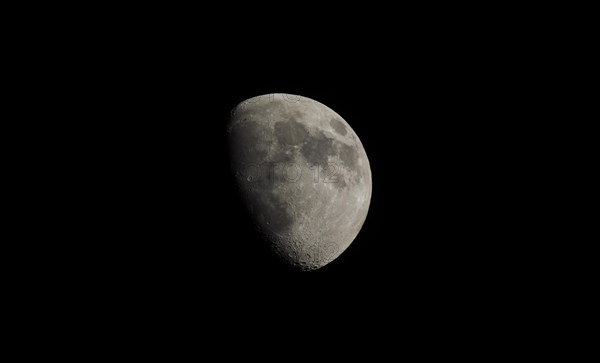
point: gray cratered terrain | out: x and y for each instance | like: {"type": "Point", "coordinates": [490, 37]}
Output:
{"type": "Point", "coordinates": [303, 174]}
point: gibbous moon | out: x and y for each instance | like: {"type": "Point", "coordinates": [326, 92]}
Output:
{"type": "Point", "coordinates": [303, 174]}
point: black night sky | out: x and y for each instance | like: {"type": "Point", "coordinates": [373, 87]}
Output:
{"type": "Point", "coordinates": [429, 225]}
{"type": "Point", "coordinates": [172, 226]}
{"type": "Point", "coordinates": [157, 237]}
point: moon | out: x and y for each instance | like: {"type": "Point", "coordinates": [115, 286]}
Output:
{"type": "Point", "coordinates": [303, 175]}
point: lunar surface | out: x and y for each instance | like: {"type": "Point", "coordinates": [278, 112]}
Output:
{"type": "Point", "coordinates": [303, 175]}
